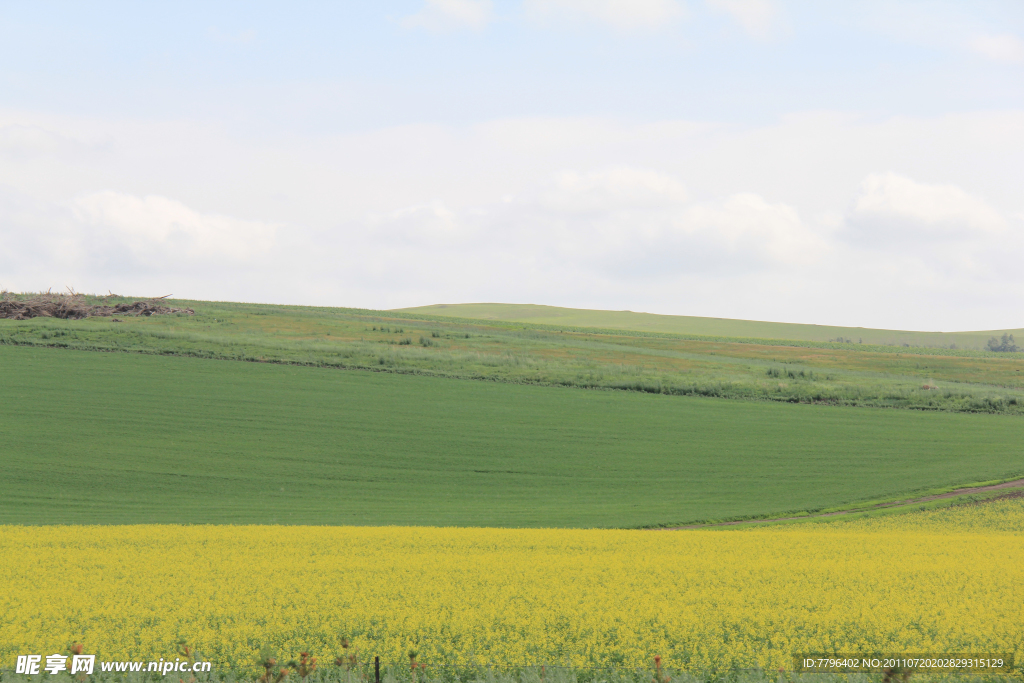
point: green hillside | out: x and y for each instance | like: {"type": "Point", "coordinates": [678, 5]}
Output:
{"type": "Point", "coordinates": [712, 327]}
{"type": "Point", "coordinates": [89, 437]}
{"type": "Point", "coordinates": [787, 371]}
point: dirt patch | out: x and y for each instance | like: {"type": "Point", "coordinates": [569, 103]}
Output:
{"type": "Point", "coordinates": [74, 307]}
{"type": "Point", "coordinates": [1005, 496]}
{"type": "Point", "coordinates": [1015, 484]}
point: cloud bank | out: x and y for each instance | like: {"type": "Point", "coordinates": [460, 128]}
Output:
{"type": "Point", "coordinates": [818, 218]}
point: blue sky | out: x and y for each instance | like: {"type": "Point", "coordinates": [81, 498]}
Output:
{"type": "Point", "coordinates": [846, 162]}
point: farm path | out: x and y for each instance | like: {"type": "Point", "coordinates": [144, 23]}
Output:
{"type": "Point", "coordinates": [1015, 484]}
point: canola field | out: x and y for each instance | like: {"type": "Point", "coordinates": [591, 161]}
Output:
{"type": "Point", "coordinates": [944, 581]}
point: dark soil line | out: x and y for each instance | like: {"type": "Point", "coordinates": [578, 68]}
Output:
{"type": "Point", "coordinates": [1016, 483]}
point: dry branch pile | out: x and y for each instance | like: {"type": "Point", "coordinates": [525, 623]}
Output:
{"type": "Point", "coordinates": [74, 307]}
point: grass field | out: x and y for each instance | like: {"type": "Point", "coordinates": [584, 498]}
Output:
{"type": "Point", "coordinates": [831, 373]}
{"type": "Point", "coordinates": [950, 581]}
{"type": "Point", "coordinates": [91, 437]}
{"type": "Point", "coordinates": [711, 327]}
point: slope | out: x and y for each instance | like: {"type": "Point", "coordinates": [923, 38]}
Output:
{"type": "Point", "coordinates": [713, 327]}
{"type": "Point", "coordinates": [90, 437]}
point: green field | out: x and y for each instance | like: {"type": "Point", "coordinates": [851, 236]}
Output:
{"type": "Point", "coordinates": [789, 371]}
{"type": "Point", "coordinates": [91, 437]}
{"type": "Point", "coordinates": [710, 327]}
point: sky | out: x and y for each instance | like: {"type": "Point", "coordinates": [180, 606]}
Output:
{"type": "Point", "coordinates": [846, 163]}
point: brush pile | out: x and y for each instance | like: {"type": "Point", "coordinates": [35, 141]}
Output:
{"type": "Point", "coordinates": [74, 306]}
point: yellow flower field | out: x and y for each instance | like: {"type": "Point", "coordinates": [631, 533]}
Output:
{"type": "Point", "coordinates": [946, 581]}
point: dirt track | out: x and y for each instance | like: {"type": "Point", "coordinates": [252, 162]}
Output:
{"type": "Point", "coordinates": [1016, 483]}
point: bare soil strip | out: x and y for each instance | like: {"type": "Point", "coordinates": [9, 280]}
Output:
{"type": "Point", "coordinates": [1016, 483]}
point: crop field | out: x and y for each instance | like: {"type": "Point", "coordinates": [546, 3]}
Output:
{"type": "Point", "coordinates": [944, 581]}
{"type": "Point", "coordinates": [92, 437]}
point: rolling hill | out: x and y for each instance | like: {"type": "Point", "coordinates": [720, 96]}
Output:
{"type": "Point", "coordinates": [711, 327]}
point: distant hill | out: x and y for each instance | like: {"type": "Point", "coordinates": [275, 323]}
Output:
{"type": "Point", "coordinates": [712, 327]}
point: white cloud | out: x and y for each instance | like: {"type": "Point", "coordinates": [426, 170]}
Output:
{"type": "Point", "coordinates": [755, 16]}
{"type": "Point", "coordinates": [892, 207]}
{"type": "Point", "coordinates": [732, 237]}
{"type": "Point", "coordinates": [155, 229]}
{"type": "Point", "coordinates": [424, 224]}
{"type": "Point", "coordinates": [620, 14]}
{"type": "Point", "coordinates": [746, 223]}
{"type": "Point", "coordinates": [622, 223]}
{"type": "Point", "coordinates": [999, 48]}
{"type": "Point", "coordinates": [445, 15]}
{"type": "Point", "coordinates": [611, 190]}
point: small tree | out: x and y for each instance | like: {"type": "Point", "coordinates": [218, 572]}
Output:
{"type": "Point", "coordinates": [1006, 344]}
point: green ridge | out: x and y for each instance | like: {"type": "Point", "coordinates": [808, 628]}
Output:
{"type": "Point", "coordinates": [712, 327]}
